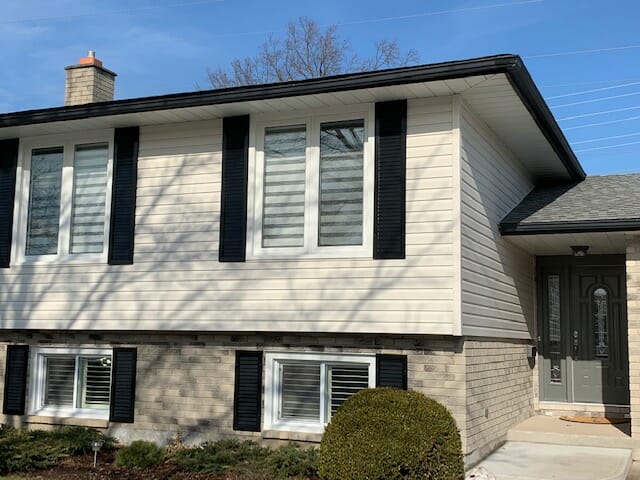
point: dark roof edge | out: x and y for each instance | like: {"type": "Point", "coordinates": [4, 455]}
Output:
{"type": "Point", "coordinates": [511, 65]}
{"type": "Point", "coordinates": [531, 97]}
{"type": "Point", "coordinates": [585, 226]}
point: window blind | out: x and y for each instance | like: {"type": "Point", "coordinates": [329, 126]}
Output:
{"type": "Point", "coordinates": [44, 201]}
{"type": "Point", "coordinates": [60, 375]}
{"type": "Point", "coordinates": [341, 183]}
{"type": "Point", "coordinates": [300, 391]}
{"type": "Point", "coordinates": [89, 198]}
{"type": "Point", "coordinates": [82, 382]}
{"type": "Point", "coordinates": [284, 186]}
{"type": "Point", "coordinates": [95, 383]}
{"type": "Point", "coordinates": [345, 381]}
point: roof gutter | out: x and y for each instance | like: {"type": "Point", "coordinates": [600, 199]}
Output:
{"type": "Point", "coordinates": [511, 65]}
{"type": "Point", "coordinates": [585, 226]}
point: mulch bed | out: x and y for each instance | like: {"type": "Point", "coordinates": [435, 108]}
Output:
{"type": "Point", "coordinates": [81, 468]}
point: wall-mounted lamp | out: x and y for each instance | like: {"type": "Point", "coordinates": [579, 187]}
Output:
{"type": "Point", "coordinates": [580, 250]}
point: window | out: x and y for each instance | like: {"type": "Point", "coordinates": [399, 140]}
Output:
{"type": "Point", "coordinates": [63, 203]}
{"type": "Point", "coordinates": [312, 193]}
{"type": "Point", "coordinates": [70, 382]}
{"type": "Point", "coordinates": [305, 390]}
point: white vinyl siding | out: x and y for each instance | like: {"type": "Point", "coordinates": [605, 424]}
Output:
{"type": "Point", "coordinates": [70, 382]}
{"type": "Point", "coordinates": [90, 166]}
{"type": "Point", "coordinates": [177, 283]}
{"type": "Point", "coordinates": [498, 280]}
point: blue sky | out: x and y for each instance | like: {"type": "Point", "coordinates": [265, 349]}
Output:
{"type": "Point", "coordinates": [165, 46]}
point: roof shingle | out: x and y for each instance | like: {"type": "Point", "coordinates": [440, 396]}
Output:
{"type": "Point", "coordinates": [607, 202]}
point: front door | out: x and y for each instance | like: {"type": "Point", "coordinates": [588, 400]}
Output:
{"type": "Point", "coordinates": [583, 330]}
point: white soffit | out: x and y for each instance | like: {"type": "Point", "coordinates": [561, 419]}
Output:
{"type": "Point", "coordinates": [501, 108]}
{"type": "Point", "coordinates": [490, 96]}
{"type": "Point", "coordinates": [560, 244]}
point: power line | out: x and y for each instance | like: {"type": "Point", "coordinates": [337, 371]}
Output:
{"type": "Point", "coordinates": [440, 12]}
{"type": "Point", "coordinates": [598, 113]}
{"type": "Point", "coordinates": [112, 12]}
{"type": "Point", "coordinates": [606, 138]}
{"type": "Point", "coordinates": [389, 19]}
{"type": "Point", "coordinates": [606, 147]}
{"type": "Point", "coordinates": [583, 52]}
{"type": "Point", "coordinates": [602, 123]}
{"type": "Point", "coordinates": [593, 90]}
{"type": "Point", "coordinates": [594, 100]}
{"type": "Point", "coordinates": [580, 84]}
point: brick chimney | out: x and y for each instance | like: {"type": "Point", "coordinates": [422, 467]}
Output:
{"type": "Point", "coordinates": [88, 82]}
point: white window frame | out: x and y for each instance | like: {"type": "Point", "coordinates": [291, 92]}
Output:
{"type": "Point", "coordinates": [37, 379]}
{"type": "Point", "coordinates": [312, 119]}
{"type": "Point", "coordinates": [21, 204]}
{"type": "Point", "coordinates": [273, 388]}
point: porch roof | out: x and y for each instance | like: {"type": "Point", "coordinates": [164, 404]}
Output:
{"type": "Point", "coordinates": [607, 203]}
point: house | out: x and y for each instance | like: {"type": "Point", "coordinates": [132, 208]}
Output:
{"type": "Point", "coordinates": [238, 262]}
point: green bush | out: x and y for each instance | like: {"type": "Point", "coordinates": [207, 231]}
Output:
{"type": "Point", "coordinates": [292, 461]}
{"type": "Point", "coordinates": [221, 456]}
{"type": "Point", "coordinates": [140, 453]}
{"type": "Point", "coordinates": [388, 434]}
{"type": "Point", "coordinates": [28, 450]}
{"type": "Point", "coordinates": [247, 459]}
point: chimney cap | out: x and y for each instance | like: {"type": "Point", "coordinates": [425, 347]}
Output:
{"type": "Point", "coordinates": [90, 61]}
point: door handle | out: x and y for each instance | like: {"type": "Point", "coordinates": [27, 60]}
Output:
{"type": "Point", "coordinates": [576, 345]}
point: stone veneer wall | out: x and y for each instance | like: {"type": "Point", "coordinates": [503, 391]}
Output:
{"type": "Point", "coordinates": [633, 313]}
{"type": "Point", "coordinates": [499, 392]}
{"type": "Point", "coordinates": [185, 381]}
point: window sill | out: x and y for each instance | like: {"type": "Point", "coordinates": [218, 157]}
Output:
{"type": "Point", "coordinates": [265, 254]}
{"type": "Point", "coordinates": [79, 422]}
{"type": "Point", "coordinates": [292, 436]}
{"type": "Point", "coordinates": [55, 260]}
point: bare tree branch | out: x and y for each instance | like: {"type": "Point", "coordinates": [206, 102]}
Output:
{"type": "Point", "coordinates": [307, 51]}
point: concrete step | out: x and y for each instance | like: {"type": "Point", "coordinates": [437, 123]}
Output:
{"type": "Point", "coordinates": [546, 429]}
{"type": "Point", "coordinates": [535, 461]}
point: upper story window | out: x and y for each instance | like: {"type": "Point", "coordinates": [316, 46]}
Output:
{"type": "Point", "coordinates": [312, 190]}
{"type": "Point", "coordinates": [64, 200]}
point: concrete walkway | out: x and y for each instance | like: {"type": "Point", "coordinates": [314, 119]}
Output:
{"type": "Point", "coordinates": [537, 461]}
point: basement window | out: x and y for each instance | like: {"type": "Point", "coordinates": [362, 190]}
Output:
{"type": "Point", "coordinates": [70, 382]}
{"type": "Point", "coordinates": [305, 390]}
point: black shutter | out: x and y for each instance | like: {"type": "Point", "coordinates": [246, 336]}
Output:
{"type": "Point", "coordinates": [8, 165]}
{"type": "Point", "coordinates": [15, 379]}
{"type": "Point", "coordinates": [391, 371]}
{"type": "Point", "coordinates": [123, 197]}
{"type": "Point", "coordinates": [247, 398]}
{"type": "Point", "coordinates": [123, 385]}
{"type": "Point", "coordinates": [235, 169]}
{"type": "Point", "coordinates": [390, 180]}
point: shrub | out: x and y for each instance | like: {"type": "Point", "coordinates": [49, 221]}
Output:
{"type": "Point", "coordinates": [28, 450]}
{"type": "Point", "coordinates": [385, 433]}
{"type": "Point", "coordinates": [140, 453]}
{"type": "Point", "coordinates": [221, 456]}
{"type": "Point", "coordinates": [292, 461]}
